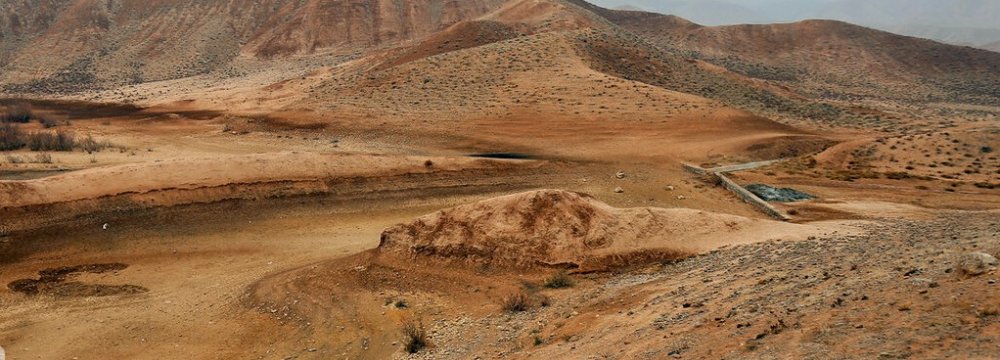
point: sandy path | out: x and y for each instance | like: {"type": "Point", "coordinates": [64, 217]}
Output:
{"type": "Point", "coordinates": [196, 268]}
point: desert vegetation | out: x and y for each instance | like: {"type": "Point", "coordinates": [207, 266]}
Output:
{"type": "Point", "coordinates": [487, 179]}
{"type": "Point", "coordinates": [12, 137]}
{"type": "Point", "coordinates": [516, 302]}
{"type": "Point", "coordinates": [22, 112]}
{"type": "Point", "coordinates": [559, 281]}
{"type": "Point", "coordinates": [19, 112]}
{"type": "Point", "coordinates": [414, 337]}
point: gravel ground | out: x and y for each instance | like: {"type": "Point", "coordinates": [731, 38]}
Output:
{"type": "Point", "coordinates": [896, 291]}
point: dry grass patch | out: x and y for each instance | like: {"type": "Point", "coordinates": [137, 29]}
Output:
{"type": "Point", "coordinates": [559, 281]}
{"type": "Point", "coordinates": [415, 337]}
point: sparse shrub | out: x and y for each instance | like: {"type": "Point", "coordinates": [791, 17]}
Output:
{"type": "Point", "coordinates": [415, 337]}
{"type": "Point", "coordinates": [516, 302]}
{"type": "Point", "coordinates": [49, 141]}
{"type": "Point", "coordinates": [559, 281]}
{"type": "Point", "coordinates": [985, 185]}
{"type": "Point", "coordinates": [11, 137]}
{"type": "Point", "coordinates": [43, 158]}
{"type": "Point", "coordinates": [48, 123]}
{"type": "Point", "coordinates": [18, 113]}
{"type": "Point", "coordinates": [91, 145]}
{"type": "Point", "coordinates": [900, 175]}
{"type": "Point", "coordinates": [14, 159]}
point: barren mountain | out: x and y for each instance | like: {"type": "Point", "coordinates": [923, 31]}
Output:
{"type": "Point", "coordinates": [830, 58]}
{"type": "Point", "coordinates": [488, 67]}
{"type": "Point", "coordinates": [107, 45]}
{"type": "Point", "coordinates": [362, 179]}
{"type": "Point", "coordinates": [959, 22]}
{"type": "Point", "coordinates": [138, 41]}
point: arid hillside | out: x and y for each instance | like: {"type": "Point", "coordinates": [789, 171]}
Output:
{"type": "Point", "coordinates": [830, 59]}
{"type": "Point", "coordinates": [116, 46]}
{"type": "Point", "coordinates": [489, 68]}
{"type": "Point", "coordinates": [101, 43]}
{"type": "Point", "coordinates": [488, 179]}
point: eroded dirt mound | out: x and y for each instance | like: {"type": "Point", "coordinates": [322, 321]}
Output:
{"type": "Point", "coordinates": [572, 230]}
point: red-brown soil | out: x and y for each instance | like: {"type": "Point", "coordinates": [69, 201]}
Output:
{"type": "Point", "coordinates": [250, 157]}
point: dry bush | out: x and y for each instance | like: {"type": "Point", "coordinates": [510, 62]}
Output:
{"type": "Point", "coordinates": [48, 122]}
{"type": "Point", "coordinates": [559, 281]}
{"type": "Point", "coordinates": [11, 137]}
{"type": "Point", "coordinates": [51, 141]}
{"type": "Point", "coordinates": [516, 302]}
{"type": "Point", "coordinates": [415, 337]}
{"type": "Point", "coordinates": [17, 113]}
{"type": "Point", "coordinates": [43, 158]}
{"type": "Point", "coordinates": [14, 159]}
{"type": "Point", "coordinates": [91, 145]}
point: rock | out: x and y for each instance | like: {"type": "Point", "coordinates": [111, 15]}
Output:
{"type": "Point", "coordinates": [977, 263]}
{"type": "Point", "coordinates": [621, 174]}
{"type": "Point", "coordinates": [922, 282]}
{"type": "Point", "coordinates": [619, 190]}
{"type": "Point", "coordinates": [670, 188]}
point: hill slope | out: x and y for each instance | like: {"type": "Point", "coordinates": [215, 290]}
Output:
{"type": "Point", "coordinates": [136, 41]}
{"type": "Point", "coordinates": [829, 58]}
{"type": "Point", "coordinates": [352, 49]}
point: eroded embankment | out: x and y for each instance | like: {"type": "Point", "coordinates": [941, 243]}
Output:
{"type": "Point", "coordinates": [31, 204]}
{"type": "Point", "coordinates": [566, 229]}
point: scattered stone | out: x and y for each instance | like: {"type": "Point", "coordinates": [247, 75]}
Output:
{"type": "Point", "coordinates": [977, 263]}
{"type": "Point", "coordinates": [621, 174]}
{"type": "Point", "coordinates": [619, 190]}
